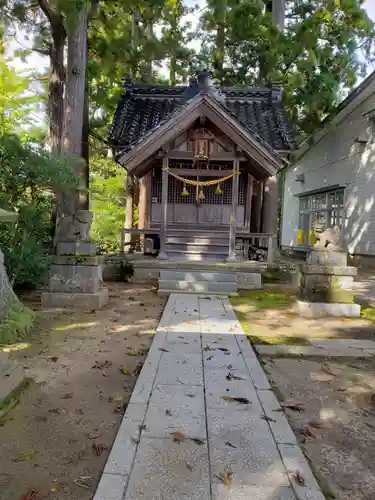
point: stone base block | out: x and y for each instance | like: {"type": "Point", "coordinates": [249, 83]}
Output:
{"type": "Point", "coordinates": [75, 300]}
{"type": "Point", "coordinates": [327, 258]}
{"type": "Point", "coordinates": [321, 309]}
{"type": "Point", "coordinates": [75, 278]}
{"type": "Point", "coordinates": [249, 281]}
{"type": "Point", "coordinates": [76, 248]}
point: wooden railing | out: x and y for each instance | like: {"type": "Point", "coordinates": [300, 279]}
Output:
{"type": "Point", "coordinates": [256, 246]}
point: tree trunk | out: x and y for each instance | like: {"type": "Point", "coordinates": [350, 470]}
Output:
{"type": "Point", "coordinates": [84, 198]}
{"type": "Point", "coordinates": [56, 87]}
{"type": "Point", "coordinates": [219, 50]}
{"type": "Point", "coordinates": [74, 104]}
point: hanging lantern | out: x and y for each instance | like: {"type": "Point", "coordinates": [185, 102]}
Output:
{"type": "Point", "coordinates": [185, 192]}
{"type": "Point", "coordinates": [201, 196]}
{"type": "Point", "coordinates": [218, 190]}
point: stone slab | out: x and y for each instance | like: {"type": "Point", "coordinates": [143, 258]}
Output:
{"type": "Point", "coordinates": [294, 460]}
{"type": "Point", "coordinates": [167, 470]}
{"type": "Point", "coordinates": [111, 487]}
{"type": "Point", "coordinates": [73, 260]}
{"type": "Point", "coordinates": [322, 309]}
{"type": "Point", "coordinates": [329, 270]}
{"type": "Point", "coordinates": [249, 281]}
{"type": "Point", "coordinates": [253, 456]}
{"type": "Point", "coordinates": [76, 248]}
{"type": "Point", "coordinates": [122, 454]}
{"type": "Point", "coordinates": [176, 408]}
{"type": "Point", "coordinates": [75, 278]}
{"type": "Point", "coordinates": [327, 258]}
{"type": "Point", "coordinates": [185, 370]}
{"type": "Point", "coordinates": [252, 492]}
{"type": "Point", "coordinates": [279, 425]}
{"type": "Point", "coordinates": [75, 300]}
{"type": "Point", "coordinates": [218, 387]}
{"type": "Point", "coordinates": [258, 376]}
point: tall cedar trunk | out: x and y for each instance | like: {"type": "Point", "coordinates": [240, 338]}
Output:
{"type": "Point", "coordinates": [56, 87]}
{"type": "Point", "coordinates": [219, 13]}
{"type": "Point", "coordinates": [173, 56]}
{"type": "Point", "coordinates": [74, 104]}
{"type": "Point", "coordinates": [84, 198]}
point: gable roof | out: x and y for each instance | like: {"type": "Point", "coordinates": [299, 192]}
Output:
{"type": "Point", "coordinates": [143, 108]}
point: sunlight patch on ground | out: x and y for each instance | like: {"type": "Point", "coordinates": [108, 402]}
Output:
{"type": "Point", "coordinates": [15, 347]}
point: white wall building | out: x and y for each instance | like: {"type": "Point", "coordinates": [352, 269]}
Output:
{"type": "Point", "coordinates": [332, 176]}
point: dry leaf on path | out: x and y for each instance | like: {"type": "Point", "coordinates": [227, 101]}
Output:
{"type": "Point", "coordinates": [189, 467]}
{"type": "Point", "coordinates": [168, 412]}
{"type": "Point", "coordinates": [293, 407]}
{"type": "Point", "coordinates": [244, 401]}
{"type": "Point", "coordinates": [231, 376]}
{"type": "Point", "coordinates": [114, 399]}
{"type": "Point", "coordinates": [125, 371]}
{"type": "Point", "coordinates": [231, 445]}
{"type": "Point", "coordinates": [226, 477]}
{"type": "Point", "coordinates": [68, 395]}
{"type": "Point", "coordinates": [23, 458]}
{"type": "Point", "coordinates": [178, 437]}
{"type": "Point", "coordinates": [197, 441]}
{"type": "Point", "coordinates": [100, 366]}
{"type": "Point", "coordinates": [31, 495]}
{"type": "Point", "coordinates": [162, 349]}
{"type": "Point", "coordinates": [299, 479]}
{"type": "Point", "coordinates": [98, 449]}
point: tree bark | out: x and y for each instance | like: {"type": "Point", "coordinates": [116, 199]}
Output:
{"type": "Point", "coordinates": [74, 104]}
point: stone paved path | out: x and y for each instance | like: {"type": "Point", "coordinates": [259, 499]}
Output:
{"type": "Point", "coordinates": [200, 355]}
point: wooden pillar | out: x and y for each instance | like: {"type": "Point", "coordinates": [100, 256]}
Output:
{"type": "Point", "coordinates": [142, 210]}
{"type": "Point", "coordinates": [164, 210]}
{"type": "Point", "coordinates": [249, 198]}
{"type": "Point", "coordinates": [148, 182]}
{"type": "Point", "coordinates": [269, 209]}
{"type": "Point", "coordinates": [128, 212]}
{"type": "Point", "coordinates": [233, 214]}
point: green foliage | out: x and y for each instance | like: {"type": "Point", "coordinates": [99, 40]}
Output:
{"type": "Point", "coordinates": [28, 178]}
{"type": "Point", "coordinates": [16, 327]}
{"type": "Point", "coordinates": [108, 202]}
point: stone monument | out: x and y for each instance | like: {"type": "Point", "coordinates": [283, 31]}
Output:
{"type": "Point", "coordinates": [76, 271]}
{"type": "Point", "coordinates": [326, 287]}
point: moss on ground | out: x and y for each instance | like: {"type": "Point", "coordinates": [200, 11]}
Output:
{"type": "Point", "coordinates": [16, 327]}
{"type": "Point", "coordinates": [278, 340]}
{"type": "Point", "coordinates": [368, 313]}
{"type": "Point", "coordinates": [12, 400]}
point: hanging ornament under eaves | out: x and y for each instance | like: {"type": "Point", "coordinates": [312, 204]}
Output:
{"type": "Point", "coordinates": [201, 196]}
{"type": "Point", "coordinates": [218, 190]}
{"type": "Point", "coordinates": [185, 192]}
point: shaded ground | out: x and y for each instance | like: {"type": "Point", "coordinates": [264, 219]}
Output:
{"type": "Point", "coordinates": [273, 320]}
{"type": "Point", "coordinates": [336, 426]}
{"type": "Point", "coordinates": [57, 439]}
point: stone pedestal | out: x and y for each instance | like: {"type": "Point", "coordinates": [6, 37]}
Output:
{"type": "Point", "coordinates": [76, 277]}
{"type": "Point", "coordinates": [326, 287]}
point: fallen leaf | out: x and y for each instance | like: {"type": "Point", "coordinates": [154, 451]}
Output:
{"type": "Point", "coordinates": [162, 349]}
{"type": "Point", "coordinates": [68, 395]}
{"type": "Point", "coordinates": [23, 458]}
{"type": "Point", "coordinates": [224, 349]}
{"type": "Point", "coordinates": [226, 477]}
{"type": "Point", "coordinates": [31, 495]}
{"type": "Point", "coordinates": [168, 412]}
{"type": "Point", "coordinates": [190, 394]}
{"type": "Point", "coordinates": [98, 449]}
{"type": "Point", "coordinates": [125, 371]}
{"type": "Point", "coordinates": [189, 467]}
{"type": "Point", "coordinates": [177, 436]}
{"type": "Point", "coordinates": [299, 479]}
{"type": "Point", "coordinates": [294, 407]}
{"type": "Point", "coordinates": [306, 431]}
{"type": "Point", "coordinates": [92, 435]}
{"type": "Point", "coordinates": [100, 366]}
{"type": "Point", "coordinates": [114, 399]}
{"type": "Point", "coordinates": [328, 370]}
{"type": "Point", "coordinates": [53, 358]}
{"type": "Point", "coordinates": [244, 401]}
{"type": "Point", "coordinates": [53, 490]}
{"type": "Point", "coordinates": [231, 376]}
{"type": "Point", "coordinates": [231, 445]}
{"type": "Point", "coordinates": [197, 441]}
{"type": "Point", "coordinates": [267, 419]}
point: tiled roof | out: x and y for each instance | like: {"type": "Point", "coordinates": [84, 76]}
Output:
{"type": "Point", "coordinates": [144, 107]}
